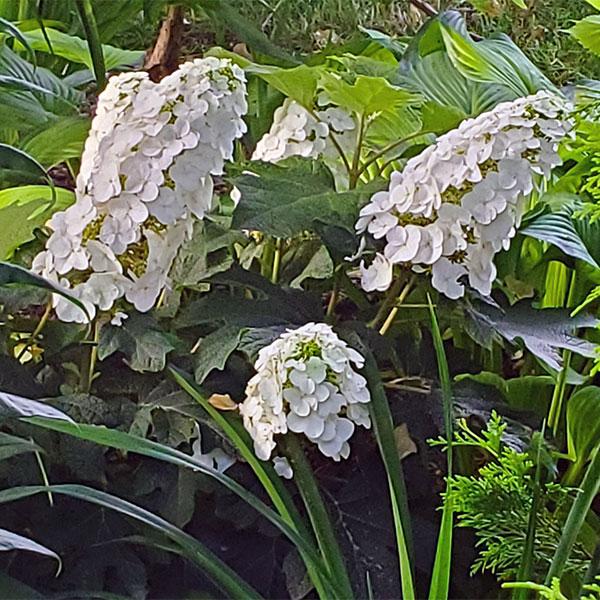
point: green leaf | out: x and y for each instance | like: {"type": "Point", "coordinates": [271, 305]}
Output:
{"type": "Point", "coordinates": [75, 49]}
{"type": "Point", "coordinates": [63, 140]}
{"type": "Point", "coordinates": [440, 577]}
{"type": "Point", "coordinates": [12, 30]}
{"type": "Point", "coordinates": [543, 332]}
{"type": "Point", "coordinates": [140, 339]}
{"type": "Point", "coordinates": [18, 167]}
{"type": "Point", "coordinates": [12, 406]}
{"type": "Point", "coordinates": [559, 230]}
{"type": "Point", "coordinates": [587, 33]}
{"type": "Point", "coordinates": [271, 482]}
{"type": "Point", "coordinates": [13, 541]}
{"type": "Point", "coordinates": [11, 445]}
{"type": "Point", "coordinates": [583, 424]}
{"type": "Point", "coordinates": [218, 571]}
{"type": "Point", "coordinates": [24, 209]}
{"type": "Point", "coordinates": [366, 95]}
{"type": "Point", "coordinates": [320, 266]}
{"type": "Point", "coordinates": [285, 200]}
{"type": "Point", "coordinates": [215, 349]}
{"type": "Point", "coordinates": [586, 493]}
{"type": "Point", "coordinates": [33, 110]}
{"type": "Point", "coordinates": [500, 67]}
{"type": "Point", "coordinates": [15, 275]}
{"type": "Point", "coordinates": [383, 428]}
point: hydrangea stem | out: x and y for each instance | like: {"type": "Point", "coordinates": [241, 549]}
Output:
{"type": "Point", "coordinates": [89, 364]}
{"type": "Point", "coordinates": [36, 332]}
{"type": "Point", "coordinates": [401, 298]}
{"type": "Point", "coordinates": [318, 514]}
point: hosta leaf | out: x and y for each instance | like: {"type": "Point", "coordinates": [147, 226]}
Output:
{"type": "Point", "coordinates": [559, 229]}
{"type": "Point", "coordinates": [542, 332]}
{"type": "Point", "coordinates": [12, 406]}
{"type": "Point", "coordinates": [284, 200]}
{"type": "Point", "coordinates": [587, 33]}
{"type": "Point", "coordinates": [76, 50]}
{"type": "Point", "coordinates": [471, 76]}
{"type": "Point", "coordinates": [31, 109]}
{"type": "Point", "coordinates": [25, 208]}
{"type": "Point", "coordinates": [18, 167]}
{"type": "Point", "coordinates": [63, 140]}
{"type": "Point", "coordinates": [12, 30]}
{"type": "Point", "coordinates": [583, 423]}
{"type": "Point", "coordinates": [14, 541]}
{"type": "Point", "coordinates": [144, 345]}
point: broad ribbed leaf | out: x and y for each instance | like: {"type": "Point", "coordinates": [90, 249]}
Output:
{"type": "Point", "coordinates": [587, 33]}
{"type": "Point", "coordinates": [559, 230]}
{"type": "Point", "coordinates": [16, 166]}
{"type": "Point", "coordinates": [63, 140]}
{"type": "Point", "coordinates": [12, 30]}
{"type": "Point", "coordinates": [75, 49]}
{"type": "Point", "coordinates": [30, 109]}
{"type": "Point", "coordinates": [583, 423]}
{"type": "Point", "coordinates": [25, 208]}
{"type": "Point", "coordinates": [471, 76]}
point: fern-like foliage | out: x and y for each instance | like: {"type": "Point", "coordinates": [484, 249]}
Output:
{"type": "Point", "coordinates": [496, 503]}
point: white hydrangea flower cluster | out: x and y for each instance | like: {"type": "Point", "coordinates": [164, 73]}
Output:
{"type": "Point", "coordinates": [306, 383]}
{"type": "Point", "coordinates": [296, 132]}
{"type": "Point", "coordinates": [460, 201]}
{"type": "Point", "coordinates": [145, 174]}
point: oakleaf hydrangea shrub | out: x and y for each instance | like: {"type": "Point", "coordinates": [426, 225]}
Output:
{"type": "Point", "coordinates": [145, 176]}
{"type": "Point", "coordinates": [460, 201]}
{"type": "Point", "coordinates": [306, 382]}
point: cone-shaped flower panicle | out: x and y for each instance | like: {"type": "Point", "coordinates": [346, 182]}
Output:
{"type": "Point", "coordinates": [460, 201]}
{"type": "Point", "coordinates": [145, 175]}
{"type": "Point", "coordinates": [306, 383]}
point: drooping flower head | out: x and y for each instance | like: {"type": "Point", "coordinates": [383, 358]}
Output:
{"type": "Point", "coordinates": [460, 201]}
{"type": "Point", "coordinates": [306, 383]}
{"type": "Point", "coordinates": [145, 174]}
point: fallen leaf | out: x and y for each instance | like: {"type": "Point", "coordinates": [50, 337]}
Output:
{"type": "Point", "coordinates": [223, 402]}
{"type": "Point", "coordinates": [404, 443]}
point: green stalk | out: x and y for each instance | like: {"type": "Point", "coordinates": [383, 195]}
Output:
{"type": "Point", "coordinates": [440, 578]}
{"type": "Point", "coordinates": [576, 517]}
{"type": "Point", "coordinates": [317, 512]}
{"type": "Point", "coordinates": [383, 428]}
{"type": "Point", "coordinates": [86, 14]}
{"type": "Point", "coordinates": [276, 260]}
{"type": "Point", "coordinates": [526, 565]}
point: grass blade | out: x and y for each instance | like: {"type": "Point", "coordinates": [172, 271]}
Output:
{"type": "Point", "coordinates": [588, 490]}
{"type": "Point", "coordinates": [222, 575]}
{"type": "Point", "coordinates": [383, 428]}
{"type": "Point", "coordinates": [318, 514]}
{"type": "Point", "coordinates": [440, 577]}
{"type": "Point", "coordinates": [132, 443]}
